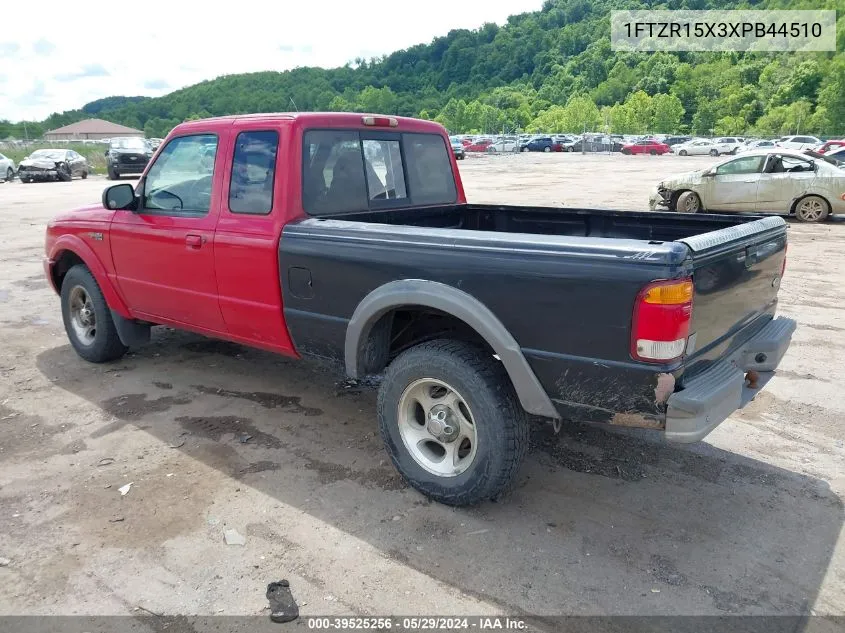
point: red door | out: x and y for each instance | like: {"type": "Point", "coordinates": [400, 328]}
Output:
{"type": "Point", "coordinates": [164, 253]}
{"type": "Point", "coordinates": [246, 240]}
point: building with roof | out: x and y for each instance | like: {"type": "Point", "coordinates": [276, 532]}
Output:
{"type": "Point", "coordinates": [90, 129]}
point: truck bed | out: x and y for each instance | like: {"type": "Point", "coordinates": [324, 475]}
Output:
{"type": "Point", "coordinates": [563, 282]}
{"type": "Point", "coordinates": [605, 223]}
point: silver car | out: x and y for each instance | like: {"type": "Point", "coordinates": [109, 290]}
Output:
{"type": "Point", "coordinates": [776, 181]}
{"type": "Point", "coordinates": [7, 168]}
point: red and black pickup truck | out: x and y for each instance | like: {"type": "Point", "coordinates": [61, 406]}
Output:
{"type": "Point", "coordinates": [348, 237]}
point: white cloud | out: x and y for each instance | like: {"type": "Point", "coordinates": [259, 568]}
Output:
{"type": "Point", "coordinates": [63, 59]}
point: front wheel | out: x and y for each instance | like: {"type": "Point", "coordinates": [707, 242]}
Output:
{"type": "Point", "coordinates": [812, 209]}
{"type": "Point", "coordinates": [714, 152]}
{"type": "Point", "coordinates": [653, 152]}
{"type": "Point", "coordinates": [84, 174]}
{"type": "Point", "coordinates": [88, 321]}
{"type": "Point", "coordinates": [688, 202]}
{"type": "Point", "coordinates": [10, 175]}
{"type": "Point", "coordinates": [64, 173]}
{"type": "Point", "coordinates": [683, 152]}
{"type": "Point", "coordinates": [451, 422]}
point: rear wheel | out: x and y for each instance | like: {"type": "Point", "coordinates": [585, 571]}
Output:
{"type": "Point", "coordinates": [688, 202]}
{"type": "Point", "coordinates": [812, 209]}
{"type": "Point", "coordinates": [525, 149]}
{"type": "Point", "coordinates": [451, 422]}
{"type": "Point", "coordinates": [10, 175]}
{"type": "Point", "coordinates": [547, 149]}
{"type": "Point", "coordinates": [88, 321]}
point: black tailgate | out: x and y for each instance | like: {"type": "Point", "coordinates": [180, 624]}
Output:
{"type": "Point", "coordinates": [736, 274]}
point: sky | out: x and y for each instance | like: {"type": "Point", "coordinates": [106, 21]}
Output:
{"type": "Point", "coordinates": [60, 57]}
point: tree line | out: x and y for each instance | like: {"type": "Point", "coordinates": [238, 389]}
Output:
{"type": "Point", "coordinates": [549, 70]}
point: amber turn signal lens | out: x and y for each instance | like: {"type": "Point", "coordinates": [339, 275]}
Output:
{"type": "Point", "coordinates": [670, 293]}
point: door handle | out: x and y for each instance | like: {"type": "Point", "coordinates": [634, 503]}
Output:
{"type": "Point", "coordinates": [194, 241]}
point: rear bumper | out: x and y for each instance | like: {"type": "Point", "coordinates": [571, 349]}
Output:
{"type": "Point", "coordinates": [709, 398]}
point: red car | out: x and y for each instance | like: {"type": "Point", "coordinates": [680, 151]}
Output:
{"type": "Point", "coordinates": [479, 146]}
{"type": "Point", "coordinates": [646, 147]}
{"type": "Point", "coordinates": [831, 145]}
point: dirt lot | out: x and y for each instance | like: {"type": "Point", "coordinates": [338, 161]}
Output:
{"type": "Point", "coordinates": [748, 522]}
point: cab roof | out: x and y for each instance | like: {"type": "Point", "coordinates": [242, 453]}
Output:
{"type": "Point", "coordinates": [318, 119]}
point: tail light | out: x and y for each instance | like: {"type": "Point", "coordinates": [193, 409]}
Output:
{"type": "Point", "coordinates": [783, 265]}
{"type": "Point", "coordinates": [661, 320]}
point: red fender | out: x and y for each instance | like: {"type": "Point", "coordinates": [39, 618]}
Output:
{"type": "Point", "coordinates": [77, 246]}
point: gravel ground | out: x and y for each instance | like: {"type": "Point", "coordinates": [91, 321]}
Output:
{"type": "Point", "coordinates": [748, 522]}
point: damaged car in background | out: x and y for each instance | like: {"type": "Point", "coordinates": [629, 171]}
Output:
{"type": "Point", "coordinates": [776, 181]}
{"type": "Point", "coordinates": [53, 164]}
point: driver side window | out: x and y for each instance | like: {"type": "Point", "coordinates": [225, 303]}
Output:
{"type": "Point", "coordinates": [745, 165]}
{"type": "Point", "coordinates": [179, 182]}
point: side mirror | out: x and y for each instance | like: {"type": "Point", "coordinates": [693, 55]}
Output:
{"type": "Point", "coordinates": [709, 172]}
{"type": "Point", "coordinates": [119, 197]}
{"type": "Point", "coordinates": [106, 153]}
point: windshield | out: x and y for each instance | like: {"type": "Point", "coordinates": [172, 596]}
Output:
{"type": "Point", "coordinates": [50, 154]}
{"type": "Point", "coordinates": [129, 143]}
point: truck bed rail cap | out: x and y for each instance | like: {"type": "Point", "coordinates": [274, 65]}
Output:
{"type": "Point", "coordinates": [704, 241]}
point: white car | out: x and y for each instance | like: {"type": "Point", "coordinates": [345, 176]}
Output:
{"type": "Point", "coordinates": [503, 145]}
{"type": "Point", "coordinates": [696, 147]}
{"type": "Point", "coordinates": [7, 168]}
{"type": "Point", "coordinates": [798, 142]}
{"type": "Point", "coordinates": [727, 144]}
{"type": "Point", "coordinates": [777, 181]}
{"type": "Point", "coordinates": [748, 147]}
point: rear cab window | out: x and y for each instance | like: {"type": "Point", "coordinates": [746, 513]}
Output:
{"type": "Point", "coordinates": [253, 172]}
{"type": "Point", "coordinates": [354, 170]}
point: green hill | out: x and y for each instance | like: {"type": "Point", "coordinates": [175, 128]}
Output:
{"type": "Point", "coordinates": [551, 69]}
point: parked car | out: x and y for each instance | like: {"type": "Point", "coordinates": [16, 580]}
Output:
{"type": "Point", "coordinates": [316, 251]}
{"type": "Point", "coordinates": [837, 155]}
{"type": "Point", "coordinates": [830, 145]}
{"type": "Point", "coordinates": [503, 145]}
{"type": "Point", "coordinates": [727, 144]}
{"type": "Point", "coordinates": [127, 155]}
{"type": "Point", "coordinates": [7, 168]}
{"type": "Point", "coordinates": [541, 144]}
{"type": "Point", "coordinates": [53, 164]}
{"type": "Point", "coordinates": [779, 181]}
{"type": "Point", "coordinates": [754, 145]}
{"type": "Point", "coordinates": [646, 147]}
{"type": "Point", "coordinates": [696, 147]}
{"type": "Point", "coordinates": [480, 145]}
{"type": "Point", "coordinates": [458, 149]}
{"type": "Point", "coordinates": [676, 140]}
{"type": "Point", "coordinates": [798, 142]}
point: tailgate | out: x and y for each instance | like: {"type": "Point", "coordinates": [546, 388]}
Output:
{"type": "Point", "coordinates": [736, 275]}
